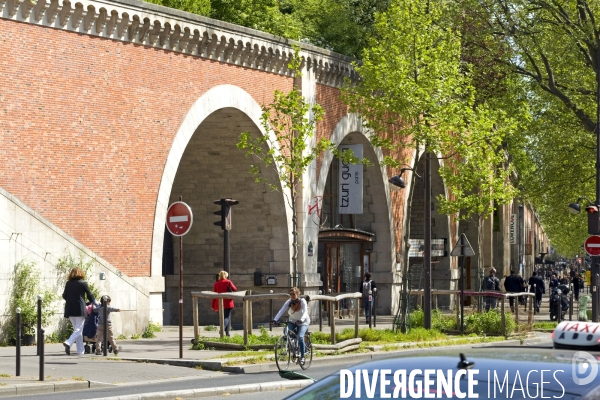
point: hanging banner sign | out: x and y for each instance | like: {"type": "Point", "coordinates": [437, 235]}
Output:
{"type": "Point", "coordinates": [513, 229]}
{"type": "Point", "coordinates": [350, 190]}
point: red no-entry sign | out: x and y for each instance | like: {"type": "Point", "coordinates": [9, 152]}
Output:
{"type": "Point", "coordinates": [179, 218]}
{"type": "Point", "coordinates": [592, 245]}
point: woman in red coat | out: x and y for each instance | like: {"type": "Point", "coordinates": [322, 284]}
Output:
{"type": "Point", "coordinates": [224, 285]}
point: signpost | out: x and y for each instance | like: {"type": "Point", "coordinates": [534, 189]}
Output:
{"type": "Point", "coordinates": [462, 249]}
{"type": "Point", "coordinates": [592, 247]}
{"type": "Point", "coordinates": [179, 222]}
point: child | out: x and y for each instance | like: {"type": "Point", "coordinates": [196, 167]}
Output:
{"type": "Point", "coordinates": [99, 339]}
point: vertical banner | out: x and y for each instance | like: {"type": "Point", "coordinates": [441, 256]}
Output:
{"type": "Point", "coordinates": [513, 229]}
{"type": "Point", "coordinates": [350, 193]}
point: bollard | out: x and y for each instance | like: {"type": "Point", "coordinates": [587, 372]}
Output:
{"type": "Point", "coordinates": [330, 305]}
{"type": "Point", "coordinates": [374, 308]}
{"type": "Point", "coordinates": [270, 313]}
{"type": "Point", "coordinates": [40, 337]}
{"type": "Point", "coordinates": [39, 324]}
{"type": "Point", "coordinates": [18, 342]}
{"type": "Point", "coordinates": [503, 317]}
{"type": "Point", "coordinates": [105, 327]}
{"type": "Point", "coordinates": [571, 307]}
{"type": "Point", "coordinates": [320, 313]}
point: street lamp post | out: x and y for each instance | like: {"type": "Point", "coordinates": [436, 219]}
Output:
{"type": "Point", "coordinates": [542, 255]}
{"type": "Point", "coordinates": [399, 182]}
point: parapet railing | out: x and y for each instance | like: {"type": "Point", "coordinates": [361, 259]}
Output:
{"type": "Point", "coordinates": [248, 298]}
{"type": "Point", "coordinates": [529, 308]}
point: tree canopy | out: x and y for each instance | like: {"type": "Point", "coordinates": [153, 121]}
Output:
{"type": "Point", "coordinates": [339, 25]}
{"type": "Point", "coordinates": [551, 47]}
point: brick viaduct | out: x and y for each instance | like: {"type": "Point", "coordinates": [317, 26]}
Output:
{"type": "Point", "coordinates": [110, 110]}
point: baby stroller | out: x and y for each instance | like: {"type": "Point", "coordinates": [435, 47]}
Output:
{"type": "Point", "coordinates": [90, 329]}
{"type": "Point", "coordinates": [559, 302]}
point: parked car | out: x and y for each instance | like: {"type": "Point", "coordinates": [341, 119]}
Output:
{"type": "Point", "coordinates": [497, 372]}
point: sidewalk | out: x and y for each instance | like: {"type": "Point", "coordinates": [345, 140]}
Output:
{"type": "Point", "coordinates": [141, 361]}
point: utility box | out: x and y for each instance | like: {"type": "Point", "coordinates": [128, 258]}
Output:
{"type": "Point", "coordinates": [257, 278]}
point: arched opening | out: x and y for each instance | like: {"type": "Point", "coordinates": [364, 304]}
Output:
{"type": "Point", "coordinates": [442, 276]}
{"type": "Point", "coordinates": [211, 167]}
{"type": "Point", "coordinates": [351, 244]}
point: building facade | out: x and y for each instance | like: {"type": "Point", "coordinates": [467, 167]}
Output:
{"type": "Point", "coordinates": [112, 110]}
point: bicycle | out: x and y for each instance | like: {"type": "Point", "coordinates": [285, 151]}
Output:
{"type": "Point", "coordinates": [287, 349]}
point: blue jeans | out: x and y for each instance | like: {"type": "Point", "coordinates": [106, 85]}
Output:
{"type": "Point", "coordinates": [300, 331]}
{"type": "Point", "coordinates": [227, 320]}
{"type": "Point", "coordinates": [367, 305]}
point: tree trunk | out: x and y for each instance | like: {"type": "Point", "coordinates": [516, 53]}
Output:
{"type": "Point", "coordinates": [294, 238]}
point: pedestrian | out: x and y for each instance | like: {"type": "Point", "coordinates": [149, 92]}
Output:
{"type": "Point", "coordinates": [368, 287]}
{"type": "Point", "coordinates": [523, 286]}
{"type": "Point", "coordinates": [224, 285]}
{"type": "Point", "coordinates": [553, 282]}
{"type": "Point", "coordinates": [299, 319]}
{"type": "Point", "coordinates": [512, 284]}
{"type": "Point", "coordinates": [75, 308]}
{"type": "Point", "coordinates": [491, 284]}
{"type": "Point", "coordinates": [536, 285]}
{"type": "Point", "coordinates": [577, 284]}
{"type": "Point", "coordinates": [109, 333]}
{"type": "Point", "coordinates": [565, 280]}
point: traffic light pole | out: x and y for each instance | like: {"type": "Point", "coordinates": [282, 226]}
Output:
{"type": "Point", "coordinates": [225, 224]}
{"type": "Point", "coordinates": [226, 254]}
{"type": "Point", "coordinates": [596, 260]}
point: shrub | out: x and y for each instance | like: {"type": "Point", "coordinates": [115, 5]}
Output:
{"type": "Point", "coordinates": [27, 285]}
{"type": "Point", "coordinates": [150, 330]}
{"type": "Point", "coordinates": [439, 321]}
{"type": "Point", "coordinates": [489, 323]}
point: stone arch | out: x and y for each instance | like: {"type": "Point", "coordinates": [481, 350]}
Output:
{"type": "Point", "coordinates": [221, 97]}
{"type": "Point", "coordinates": [443, 275]}
{"type": "Point", "coordinates": [377, 204]}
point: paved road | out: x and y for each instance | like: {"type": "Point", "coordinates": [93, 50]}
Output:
{"type": "Point", "coordinates": [221, 379]}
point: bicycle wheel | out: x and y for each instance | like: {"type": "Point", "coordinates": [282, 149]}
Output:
{"type": "Point", "coordinates": [308, 352]}
{"type": "Point", "coordinates": [282, 354]}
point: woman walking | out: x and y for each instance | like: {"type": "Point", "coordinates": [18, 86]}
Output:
{"type": "Point", "coordinates": [221, 286]}
{"type": "Point", "coordinates": [75, 308]}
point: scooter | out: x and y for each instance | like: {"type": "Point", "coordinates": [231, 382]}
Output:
{"type": "Point", "coordinates": [559, 303]}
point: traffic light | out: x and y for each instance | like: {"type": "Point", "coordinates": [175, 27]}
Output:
{"type": "Point", "coordinates": [225, 213]}
{"type": "Point", "coordinates": [593, 220]}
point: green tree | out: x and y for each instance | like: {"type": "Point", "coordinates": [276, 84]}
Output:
{"type": "Point", "coordinates": [552, 47]}
{"type": "Point", "coordinates": [289, 146]}
{"type": "Point", "coordinates": [416, 88]}
{"type": "Point", "coordinates": [200, 7]}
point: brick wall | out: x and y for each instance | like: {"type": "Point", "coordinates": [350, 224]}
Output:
{"type": "Point", "coordinates": [86, 124]}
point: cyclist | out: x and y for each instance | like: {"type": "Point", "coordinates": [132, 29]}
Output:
{"type": "Point", "coordinates": [299, 320]}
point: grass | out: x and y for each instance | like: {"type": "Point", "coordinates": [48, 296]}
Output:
{"type": "Point", "coordinates": [5, 375]}
{"type": "Point", "coordinates": [247, 353]}
{"type": "Point", "coordinates": [136, 336]}
{"type": "Point", "coordinates": [263, 338]}
{"type": "Point", "coordinates": [210, 328]}
{"type": "Point", "coordinates": [545, 325]}
{"type": "Point", "coordinates": [121, 337]}
{"type": "Point", "coordinates": [257, 357]}
{"type": "Point", "coordinates": [378, 336]}
{"type": "Point", "coordinates": [78, 378]}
